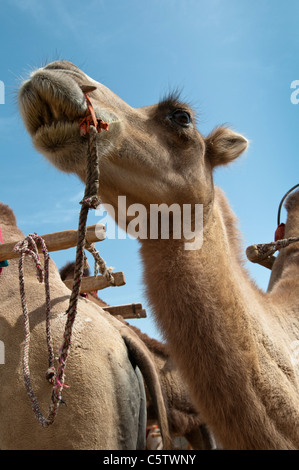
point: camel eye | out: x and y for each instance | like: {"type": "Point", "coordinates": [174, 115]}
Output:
{"type": "Point", "coordinates": [181, 117]}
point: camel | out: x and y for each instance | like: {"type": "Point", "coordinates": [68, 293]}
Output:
{"type": "Point", "coordinates": [183, 419]}
{"type": "Point", "coordinates": [106, 400]}
{"type": "Point", "coordinates": [232, 342]}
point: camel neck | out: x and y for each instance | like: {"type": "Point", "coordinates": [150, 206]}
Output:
{"type": "Point", "coordinates": [197, 302]}
{"type": "Point", "coordinates": [210, 281]}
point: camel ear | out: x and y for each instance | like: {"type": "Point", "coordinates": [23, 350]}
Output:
{"type": "Point", "coordinates": [224, 145]}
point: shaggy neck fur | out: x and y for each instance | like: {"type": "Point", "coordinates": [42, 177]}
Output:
{"type": "Point", "coordinates": [206, 307]}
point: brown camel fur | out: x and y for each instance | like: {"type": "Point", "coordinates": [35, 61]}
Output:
{"type": "Point", "coordinates": [232, 342]}
{"type": "Point", "coordinates": [106, 401]}
{"type": "Point", "coordinates": [183, 418]}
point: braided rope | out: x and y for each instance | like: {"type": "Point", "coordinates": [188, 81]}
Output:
{"type": "Point", "coordinates": [29, 247]}
{"type": "Point", "coordinates": [90, 200]}
{"type": "Point", "coordinates": [266, 250]}
{"type": "Point", "coordinates": [99, 265]}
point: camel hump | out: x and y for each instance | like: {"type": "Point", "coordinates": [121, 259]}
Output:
{"type": "Point", "coordinates": [292, 202]}
{"type": "Point", "coordinates": [8, 224]}
{"type": "Point", "coordinates": [7, 217]}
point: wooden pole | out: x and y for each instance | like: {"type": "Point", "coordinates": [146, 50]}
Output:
{"type": "Point", "coordinates": [253, 254]}
{"type": "Point", "coordinates": [58, 240]}
{"type": "Point", "coordinates": [92, 283]}
{"type": "Point", "coordinates": [127, 311]}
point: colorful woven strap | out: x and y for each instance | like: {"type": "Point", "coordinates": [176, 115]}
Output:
{"type": "Point", "coordinates": [5, 263]}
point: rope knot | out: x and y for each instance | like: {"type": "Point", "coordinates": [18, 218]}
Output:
{"type": "Point", "coordinates": [92, 202]}
{"type": "Point", "coordinates": [28, 246]}
{"type": "Point", "coordinates": [50, 374]}
{"type": "Point", "coordinates": [100, 265]}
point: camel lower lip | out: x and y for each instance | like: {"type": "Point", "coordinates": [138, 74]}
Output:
{"type": "Point", "coordinates": [55, 126]}
{"type": "Point", "coordinates": [58, 113]}
{"type": "Point", "coordinates": [56, 135]}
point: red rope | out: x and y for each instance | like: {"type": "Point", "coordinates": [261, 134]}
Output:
{"type": "Point", "coordinates": [91, 119]}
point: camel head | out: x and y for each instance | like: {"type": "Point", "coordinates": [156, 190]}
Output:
{"type": "Point", "coordinates": [151, 155]}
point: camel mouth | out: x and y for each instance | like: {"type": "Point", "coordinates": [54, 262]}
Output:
{"type": "Point", "coordinates": [51, 104]}
{"type": "Point", "coordinates": [52, 117]}
{"type": "Point", "coordinates": [47, 100]}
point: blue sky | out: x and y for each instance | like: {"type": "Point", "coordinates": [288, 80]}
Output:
{"type": "Point", "coordinates": [235, 62]}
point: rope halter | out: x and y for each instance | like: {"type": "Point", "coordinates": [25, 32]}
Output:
{"type": "Point", "coordinates": [89, 125]}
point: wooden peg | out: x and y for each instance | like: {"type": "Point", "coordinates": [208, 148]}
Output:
{"type": "Point", "coordinates": [127, 310]}
{"type": "Point", "coordinates": [92, 283]}
{"type": "Point", "coordinates": [253, 255]}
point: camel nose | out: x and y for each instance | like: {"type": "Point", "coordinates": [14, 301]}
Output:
{"type": "Point", "coordinates": [61, 65]}
{"type": "Point", "coordinates": [65, 65]}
